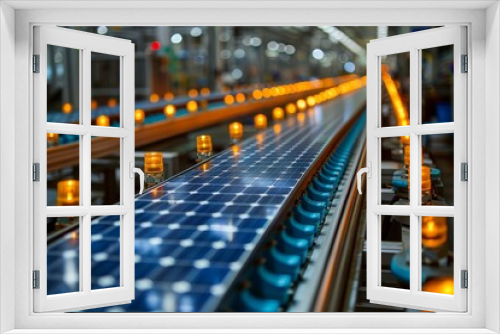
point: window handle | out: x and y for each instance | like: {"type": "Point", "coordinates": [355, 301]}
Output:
{"type": "Point", "coordinates": [139, 171]}
{"type": "Point", "coordinates": [359, 174]}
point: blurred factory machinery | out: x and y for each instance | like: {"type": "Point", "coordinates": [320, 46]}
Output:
{"type": "Point", "coordinates": [250, 138]}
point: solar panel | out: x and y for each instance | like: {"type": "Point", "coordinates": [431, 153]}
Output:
{"type": "Point", "coordinates": [195, 231]}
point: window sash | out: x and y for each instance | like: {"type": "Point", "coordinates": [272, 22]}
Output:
{"type": "Point", "coordinates": [86, 297]}
{"type": "Point", "coordinates": [413, 43]}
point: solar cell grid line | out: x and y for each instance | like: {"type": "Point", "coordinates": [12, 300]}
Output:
{"type": "Point", "coordinates": [195, 231]}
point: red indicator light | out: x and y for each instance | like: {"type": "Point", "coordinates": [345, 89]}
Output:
{"type": "Point", "coordinates": [155, 46]}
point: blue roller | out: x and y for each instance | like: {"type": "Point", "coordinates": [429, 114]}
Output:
{"type": "Point", "coordinates": [313, 206]}
{"type": "Point", "coordinates": [324, 178]}
{"type": "Point", "coordinates": [250, 303]}
{"type": "Point", "coordinates": [323, 187]}
{"type": "Point", "coordinates": [298, 230]}
{"type": "Point", "coordinates": [335, 165]}
{"type": "Point", "coordinates": [280, 263]}
{"type": "Point", "coordinates": [305, 216]}
{"type": "Point", "coordinates": [317, 195]}
{"type": "Point", "coordinates": [271, 285]}
{"type": "Point", "coordinates": [290, 245]}
{"type": "Point", "coordinates": [332, 172]}
{"type": "Point", "coordinates": [435, 174]}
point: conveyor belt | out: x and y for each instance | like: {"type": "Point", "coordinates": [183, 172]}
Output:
{"type": "Point", "coordinates": [195, 231]}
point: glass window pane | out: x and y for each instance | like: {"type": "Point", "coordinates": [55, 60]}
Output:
{"type": "Point", "coordinates": [395, 99]}
{"type": "Point", "coordinates": [105, 170]}
{"type": "Point", "coordinates": [437, 254]}
{"type": "Point", "coordinates": [63, 84]}
{"type": "Point", "coordinates": [105, 248]}
{"type": "Point", "coordinates": [394, 164]}
{"type": "Point", "coordinates": [395, 251]}
{"type": "Point", "coordinates": [63, 255]}
{"type": "Point", "coordinates": [63, 170]}
{"type": "Point", "coordinates": [437, 169]}
{"type": "Point", "coordinates": [105, 90]}
{"type": "Point", "coordinates": [437, 84]}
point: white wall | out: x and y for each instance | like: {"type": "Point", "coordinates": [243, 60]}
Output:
{"type": "Point", "coordinates": [7, 170]}
{"type": "Point", "coordinates": [492, 150]}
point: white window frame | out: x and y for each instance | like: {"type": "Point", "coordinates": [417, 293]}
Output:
{"type": "Point", "coordinates": [483, 102]}
{"type": "Point", "coordinates": [85, 43]}
{"type": "Point", "coordinates": [413, 43]}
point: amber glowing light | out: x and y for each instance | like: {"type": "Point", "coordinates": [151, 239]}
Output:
{"type": "Point", "coordinates": [266, 92]}
{"type": "Point", "coordinates": [204, 145]}
{"type": "Point", "coordinates": [257, 94]}
{"type": "Point", "coordinates": [301, 117]}
{"type": "Point", "coordinates": [67, 108]}
{"type": "Point", "coordinates": [229, 100]}
{"type": "Point", "coordinates": [154, 98]}
{"type": "Point", "coordinates": [102, 120]}
{"type": "Point", "coordinates": [68, 192]}
{"type": "Point", "coordinates": [236, 130]}
{"type": "Point", "coordinates": [434, 231]}
{"type": "Point", "coordinates": [139, 116]}
{"type": "Point", "coordinates": [236, 150]}
{"type": "Point", "coordinates": [112, 103]}
{"type": "Point", "coordinates": [168, 96]}
{"type": "Point", "coordinates": [444, 285]}
{"type": "Point", "coordinates": [52, 138]}
{"type": "Point", "coordinates": [260, 121]}
{"type": "Point", "coordinates": [278, 113]}
{"type": "Point", "coordinates": [192, 106]}
{"type": "Point", "coordinates": [277, 129]}
{"type": "Point", "coordinates": [169, 111]}
{"type": "Point", "coordinates": [156, 193]}
{"type": "Point", "coordinates": [291, 108]}
{"type": "Point", "coordinates": [301, 104]}
{"type": "Point", "coordinates": [153, 162]}
{"type": "Point", "coordinates": [311, 101]}
{"type": "Point", "coordinates": [192, 93]}
{"type": "Point", "coordinates": [205, 91]}
{"type": "Point", "coordinates": [240, 97]}
{"type": "Point", "coordinates": [400, 111]}
{"type": "Point", "coordinates": [94, 104]}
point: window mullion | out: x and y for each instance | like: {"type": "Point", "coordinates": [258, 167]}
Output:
{"type": "Point", "coordinates": [86, 156]}
{"type": "Point", "coordinates": [415, 169]}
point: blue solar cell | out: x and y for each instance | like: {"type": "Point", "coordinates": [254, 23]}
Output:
{"type": "Point", "coordinates": [210, 276]}
{"type": "Point", "coordinates": [174, 196]}
{"type": "Point", "coordinates": [141, 204]}
{"type": "Point", "coordinates": [256, 190]}
{"type": "Point", "coordinates": [210, 189]}
{"type": "Point", "coordinates": [246, 199]}
{"type": "Point", "coordinates": [227, 255]}
{"type": "Point", "coordinates": [263, 211]}
{"type": "Point", "coordinates": [272, 200]}
{"type": "Point", "coordinates": [209, 208]}
{"type": "Point", "coordinates": [222, 198]}
{"type": "Point", "coordinates": [197, 197]}
{"type": "Point", "coordinates": [194, 253]}
{"type": "Point", "coordinates": [278, 191]}
{"type": "Point", "coordinates": [187, 236]}
{"type": "Point", "coordinates": [232, 190]}
{"type": "Point", "coordinates": [169, 218]}
{"type": "Point", "coordinates": [236, 209]}
{"type": "Point", "coordinates": [173, 273]}
{"type": "Point", "coordinates": [251, 223]}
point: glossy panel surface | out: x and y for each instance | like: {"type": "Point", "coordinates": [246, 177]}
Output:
{"type": "Point", "coordinates": [195, 231]}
